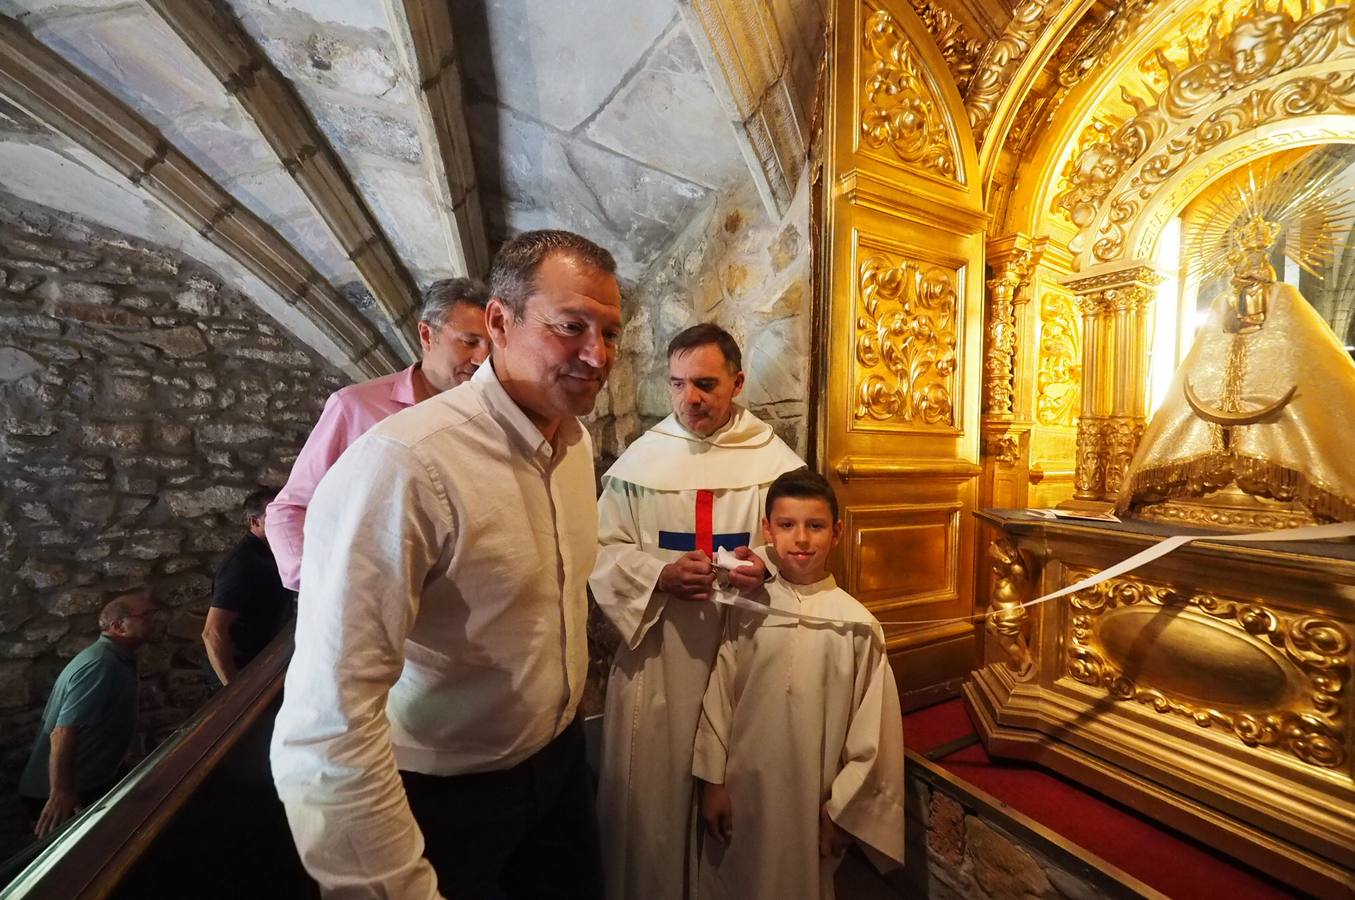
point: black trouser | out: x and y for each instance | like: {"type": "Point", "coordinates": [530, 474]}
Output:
{"type": "Point", "coordinates": [526, 832]}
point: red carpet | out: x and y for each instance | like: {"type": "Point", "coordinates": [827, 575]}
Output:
{"type": "Point", "coordinates": [1172, 863]}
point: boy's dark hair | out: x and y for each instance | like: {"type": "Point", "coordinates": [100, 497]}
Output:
{"type": "Point", "coordinates": [708, 333]}
{"type": "Point", "coordinates": [802, 484]}
{"type": "Point", "coordinates": [257, 502]}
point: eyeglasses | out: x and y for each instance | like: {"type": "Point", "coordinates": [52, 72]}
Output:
{"type": "Point", "coordinates": [143, 613]}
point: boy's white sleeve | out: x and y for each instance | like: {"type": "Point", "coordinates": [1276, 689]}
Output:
{"type": "Point", "coordinates": [866, 799]}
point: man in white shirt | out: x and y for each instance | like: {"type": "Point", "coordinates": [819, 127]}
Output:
{"type": "Point", "coordinates": [427, 743]}
{"type": "Point", "coordinates": [691, 485]}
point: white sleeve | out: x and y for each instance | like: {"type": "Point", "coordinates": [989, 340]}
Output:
{"type": "Point", "coordinates": [376, 525]}
{"type": "Point", "coordinates": [710, 754]}
{"type": "Point", "coordinates": [625, 578]}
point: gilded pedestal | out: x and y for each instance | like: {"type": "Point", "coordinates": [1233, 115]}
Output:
{"type": "Point", "coordinates": [1210, 690]}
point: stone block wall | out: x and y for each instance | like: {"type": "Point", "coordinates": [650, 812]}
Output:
{"type": "Point", "coordinates": [140, 402]}
{"type": "Point", "coordinates": [960, 849]}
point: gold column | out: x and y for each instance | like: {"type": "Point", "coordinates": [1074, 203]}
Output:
{"type": "Point", "coordinates": [1006, 408]}
{"type": "Point", "coordinates": [1114, 307]}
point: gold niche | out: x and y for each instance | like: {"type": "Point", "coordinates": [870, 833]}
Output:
{"type": "Point", "coordinates": [1278, 679]}
{"type": "Point", "coordinates": [899, 107]}
{"type": "Point", "coordinates": [905, 343]}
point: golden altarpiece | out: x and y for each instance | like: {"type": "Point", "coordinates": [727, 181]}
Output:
{"type": "Point", "coordinates": [996, 188]}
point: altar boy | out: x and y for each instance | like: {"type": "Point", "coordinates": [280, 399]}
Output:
{"type": "Point", "coordinates": [800, 744]}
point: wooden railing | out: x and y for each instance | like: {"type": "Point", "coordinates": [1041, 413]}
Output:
{"type": "Point", "coordinates": [90, 856]}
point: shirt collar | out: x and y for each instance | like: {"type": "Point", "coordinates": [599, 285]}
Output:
{"type": "Point", "coordinates": [827, 583]}
{"type": "Point", "coordinates": [503, 408]}
{"type": "Point", "coordinates": [403, 387]}
{"type": "Point", "coordinates": [122, 652]}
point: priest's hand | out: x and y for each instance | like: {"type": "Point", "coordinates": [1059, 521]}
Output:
{"type": "Point", "coordinates": [748, 580]}
{"type": "Point", "coordinates": [689, 577]}
{"type": "Point", "coordinates": [718, 812]}
{"type": "Point", "coordinates": [833, 841]}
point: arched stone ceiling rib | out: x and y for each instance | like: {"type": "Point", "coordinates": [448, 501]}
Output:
{"type": "Point", "coordinates": [39, 81]}
{"type": "Point", "coordinates": [425, 40]}
{"type": "Point", "coordinates": [222, 44]}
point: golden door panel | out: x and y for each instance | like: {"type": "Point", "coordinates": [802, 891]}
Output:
{"type": "Point", "coordinates": [904, 553]}
{"type": "Point", "coordinates": [907, 331]}
{"type": "Point", "coordinates": [901, 107]}
{"type": "Point", "coordinates": [900, 305]}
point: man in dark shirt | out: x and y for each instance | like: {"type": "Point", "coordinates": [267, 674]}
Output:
{"type": "Point", "coordinates": [90, 718]}
{"type": "Point", "coordinates": [249, 603]}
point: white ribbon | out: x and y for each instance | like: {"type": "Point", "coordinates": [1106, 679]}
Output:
{"type": "Point", "coordinates": [726, 560]}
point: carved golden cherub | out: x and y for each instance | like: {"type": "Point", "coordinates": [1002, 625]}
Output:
{"type": "Point", "coordinates": [1008, 619]}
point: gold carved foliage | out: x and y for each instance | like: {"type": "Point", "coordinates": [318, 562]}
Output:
{"type": "Point", "coordinates": [1059, 380]}
{"type": "Point", "coordinates": [900, 110]}
{"type": "Point", "coordinates": [960, 51]}
{"type": "Point", "coordinates": [1227, 84]}
{"type": "Point", "coordinates": [1312, 727]}
{"type": "Point", "coordinates": [1000, 62]}
{"type": "Point", "coordinates": [905, 342]}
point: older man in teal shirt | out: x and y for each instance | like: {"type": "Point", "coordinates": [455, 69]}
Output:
{"type": "Point", "coordinates": [88, 724]}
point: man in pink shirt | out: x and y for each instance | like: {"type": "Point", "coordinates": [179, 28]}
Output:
{"type": "Point", "coordinates": [455, 342]}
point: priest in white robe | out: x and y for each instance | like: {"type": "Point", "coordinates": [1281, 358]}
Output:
{"type": "Point", "coordinates": [690, 486]}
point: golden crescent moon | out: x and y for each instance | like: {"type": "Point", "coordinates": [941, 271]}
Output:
{"type": "Point", "coordinates": [1246, 417]}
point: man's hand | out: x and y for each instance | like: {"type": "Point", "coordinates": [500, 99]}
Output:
{"type": "Point", "coordinates": [718, 812]}
{"type": "Point", "coordinates": [748, 580]}
{"type": "Point", "coordinates": [59, 807]}
{"type": "Point", "coordinates": [688, 578]}
{"type": "Point", "coordinates": [833, 841]}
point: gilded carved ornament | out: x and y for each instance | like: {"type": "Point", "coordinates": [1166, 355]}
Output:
{"type": "Point", "coordinates": [905, 343]}
{"type": "Point", "coordinates": [900, 109]}
{"type": "Point", "coordinates": [1303, 717]}
{"type": "Point", "coordinates": [1008, 621]}
{"type": "Point", "coordinates": [1059, 380]}
{"type": "Point", "coordinates": [960, 51]}
{"type": "Point", "coordinates": [999, 360]}
{"type": "Point", "coordinates": [1108, 181]}
{"type": "Point", "coordinates": [1000, 63]}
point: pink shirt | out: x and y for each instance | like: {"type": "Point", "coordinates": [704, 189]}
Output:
{"type": "Point", "coordinates": [348, 414]}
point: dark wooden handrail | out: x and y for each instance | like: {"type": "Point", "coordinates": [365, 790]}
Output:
{"type": "Point", "coordinates": [88, 858]}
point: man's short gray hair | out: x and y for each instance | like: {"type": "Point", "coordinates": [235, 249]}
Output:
{"type": "Point", "coordinates": [440, 296]}
{"type": "Point", "coordinates": [512, 278]}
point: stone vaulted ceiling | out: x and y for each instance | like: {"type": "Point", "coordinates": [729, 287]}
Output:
{"type": "Point", "coordinates": [332, 157]}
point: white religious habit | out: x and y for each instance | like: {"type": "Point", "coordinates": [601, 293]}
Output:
{"type": "Point", "coordinates": [670, 492]}
{"type": "Point", "coordinates": [797, 715]}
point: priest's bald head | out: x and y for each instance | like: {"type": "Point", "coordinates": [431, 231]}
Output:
{"type": "Point", "coordinates": [705, 374]}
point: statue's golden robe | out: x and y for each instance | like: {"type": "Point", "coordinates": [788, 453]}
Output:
{"type": "Point", "coordinates": [1304, 452]}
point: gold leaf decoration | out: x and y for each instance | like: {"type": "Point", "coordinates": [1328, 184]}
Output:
{"type": "Point", "coordinates": [1059, 381]}
{"type": "Point", "coordinates": [905, 343]}
{"type": "Point", "coordinates": [899, 108]}
{"type": "Point", "coordinates": [1227, 84]}
{"type": "Point", "coordinates": [1001, 60]}
{"type": "Point", "coordinates": [958, 49]}
{"type": "Point", "coordinates": [1310, 725]}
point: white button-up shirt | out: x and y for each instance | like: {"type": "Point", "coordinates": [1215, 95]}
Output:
{"type": "Point", "coordinates": [441, 624]}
